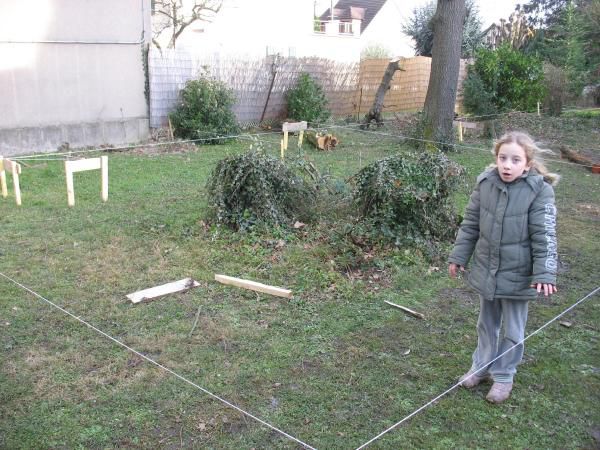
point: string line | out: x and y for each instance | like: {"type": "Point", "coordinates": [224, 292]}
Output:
{"type": "Point", "coordinates": [484, 367]}
{"type": "Point", "coordinates": [150, 360]}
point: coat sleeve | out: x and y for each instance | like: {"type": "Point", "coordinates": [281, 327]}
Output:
{"type": "Point", "coordinates": [542, 233]}
{"type": "Point", "coordinates": [468, 234]}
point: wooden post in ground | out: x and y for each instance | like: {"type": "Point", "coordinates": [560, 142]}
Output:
{"type": "Point", "coordinates": [3, 178]}
{"type": "Point", "coordinates": [460, 132]}
{"type": "Point", "coordinates": [82, 165]}
{"type": "Point", "coordinates": [6, 165]}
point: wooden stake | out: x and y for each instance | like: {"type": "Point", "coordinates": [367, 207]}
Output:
{"type": "Point", "coordinates": [538, 109]}
{"type": "Point", "coordinates": [3, 178]}
{"type": "Point", "coordinates": [16, 170]}
{"type": "Point", "coordinates": [405, 309]}
{"type": "Point", "coordinates": [300, 137]}
{"type": "Point", "coordinates": [104, 175]}
{"type": "Point", "coordinates": [70, 187]}
{"type": "Point", "coordinates": [282, 150]}
{"type": "Point", "coordinates": [159, 291]}
{"type": "Point", "coordinates": [460, 132]}
{"type": "Point", "coordinates": [285, 140]}
{"type": "Point", "coordinates": [254, 286]}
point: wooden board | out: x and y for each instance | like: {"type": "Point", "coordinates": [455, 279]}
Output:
{"type": "Point", "coordinates": [405, 309]}
{"type": "Point", "coordinates": [159, 291]}
{"type": "Point", "coordinates": [294, 126]}
{"type": "Point", "coordinates": [254, 286]}
{"type": "Point", "coordinates": [81, 165]}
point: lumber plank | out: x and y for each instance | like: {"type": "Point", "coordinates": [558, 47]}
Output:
{"type": "Point", "coordinates": [407, 310]}
{"type": "Point", "coordinates": [253, 286]}
{"type": "Point", "coordinates": [81, 165]}
{"type": "Point", "coordinates": [294, 126]}
{"type": "Point", "coordinates": [159, 291]}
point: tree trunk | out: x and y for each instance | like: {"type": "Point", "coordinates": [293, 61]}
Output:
{"type": "Point", "coordinates": [374, 113]}
{"type": "Point", "coordinates": [438, 112]}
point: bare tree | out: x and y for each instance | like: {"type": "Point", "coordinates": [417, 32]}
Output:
{"type": "Point", "coordinates": [438, 112]}
{"type": "Point", "coordinates": [174, 16]}
{"type": "Point", "coordinates": [374, 114]}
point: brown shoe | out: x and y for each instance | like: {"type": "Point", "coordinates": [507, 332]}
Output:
{"type": "Point", "coordinates": [468, 380]}
{"type": "Point", "coordinates": [499, 392]}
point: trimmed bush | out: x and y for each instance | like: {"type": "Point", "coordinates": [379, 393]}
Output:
{"type": "Point", "coordinates": [306, 101]}
{"type": "Point", "coordinates": [204, 111]}
{"type": "Point", "coordinates": [407, 197]}
{"type": "Point", "coordinates": [254, 188]}
{"type": "Point", "coordinates": [503, 79]}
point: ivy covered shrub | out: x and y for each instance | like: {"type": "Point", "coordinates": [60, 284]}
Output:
{"type": "Point", "coordinates": [503, 79]}
{"type": "Point", "coordinates": [407, 198]}
{"type": "Point", "coordinates": [254, 188]}
{"type": "Point", "coordinates": [204, 111]}
{"type": "Point", "coordinates": [306, 101]}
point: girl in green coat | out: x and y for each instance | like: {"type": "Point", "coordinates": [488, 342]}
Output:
{"type": "Point", "coordinates": [509, 234]}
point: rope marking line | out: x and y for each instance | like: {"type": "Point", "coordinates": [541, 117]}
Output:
{"type": "Point", "coordinates": [415, 412]}
{"type": "Point", "coordinates": [150, 360]}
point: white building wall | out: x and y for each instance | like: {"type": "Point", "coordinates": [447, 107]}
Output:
{"type": "Point", "coordinates": [72, 71]}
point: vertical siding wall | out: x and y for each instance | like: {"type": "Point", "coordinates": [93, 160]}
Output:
{"type": "Point", "coordinates": [350, 88]}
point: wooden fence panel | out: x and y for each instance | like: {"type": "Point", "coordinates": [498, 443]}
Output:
{"type": "Point", "coordinates": [350, 88]}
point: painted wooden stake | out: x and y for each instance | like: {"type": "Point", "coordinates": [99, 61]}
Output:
{"type": "Point", "coordinates": [159, 291]}
{"type": "Point", "coordinates": [300, 137]}
{"type": "Point", "coordinates": [254, 286]}
{"type": "Point", "coordinates": [6, 165]}
{"type": "Point", "coordinates": [405, 309]}
{"type": "Point", "coordinates": [3, 178]}
{"type": "Point", "coordinates": [282, 150]}
{"type": "Point", "coordinates": [104, 175]}
{"type": "Point", "coordinates": [15, 168]}
{"type": "Point", "coordinates": [285, 140]}
{"type": "Point", "coordinates": [538, 109]}
{"type": "Point", "coordinates": [460, 132]}
{"type": "Point", "coordinates": [82, 165]}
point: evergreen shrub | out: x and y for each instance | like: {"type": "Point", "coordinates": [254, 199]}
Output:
{"type": "Point", "coordinates": [204, 111]}
{"type": "Point", "coordinates": [306, 101]}
{"type": "Point", "coordinates": [503, 79]}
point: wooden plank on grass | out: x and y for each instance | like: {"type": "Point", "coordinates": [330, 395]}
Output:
{"type": "Point", "coordinates": [159, 291]}
{"type": "Point", "coordinates": [407, 310]}
{"type": "Point", "coordinates": [254, 286]}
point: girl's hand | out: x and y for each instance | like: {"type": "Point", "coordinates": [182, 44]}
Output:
{"type": "Point", "coordinates": [548, 288]}
{"type": "Point", "coordinates": [452, 269]}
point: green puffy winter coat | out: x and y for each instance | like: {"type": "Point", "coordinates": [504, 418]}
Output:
{"type": "Point", "coordinates": [509, 230]}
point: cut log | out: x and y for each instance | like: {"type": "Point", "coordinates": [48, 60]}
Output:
{"type": "Point", "coordinates": [575, 157]}
{"type": "Point", "coordinates": [322, 141]}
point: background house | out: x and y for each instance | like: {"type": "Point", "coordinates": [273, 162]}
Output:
{"type": "Point", "coordinates": [72, 72]}
{"type": "Point", "coordinates": [288, 27]}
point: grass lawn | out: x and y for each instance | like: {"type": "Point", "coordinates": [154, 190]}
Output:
{"type": "Point", "coordinates": [333, 366]}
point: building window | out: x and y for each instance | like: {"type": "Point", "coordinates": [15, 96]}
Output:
{"type": "Point", "coordinates": [346, 28]}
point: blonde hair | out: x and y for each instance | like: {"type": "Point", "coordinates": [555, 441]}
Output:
{"type": "Point", "coordinates": [532, 153]}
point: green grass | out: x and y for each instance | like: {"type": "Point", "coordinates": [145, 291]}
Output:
{"type": "Point", "coordinates": [333, 366]}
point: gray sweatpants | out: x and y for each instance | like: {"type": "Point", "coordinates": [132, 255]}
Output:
{"type": "Point", "coordinates": [510, 317]}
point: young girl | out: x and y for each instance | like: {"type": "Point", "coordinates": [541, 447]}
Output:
{"type": "Point", "coordinates": [509, 230]}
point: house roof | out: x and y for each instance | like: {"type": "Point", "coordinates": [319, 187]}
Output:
{"type": "Point", "coordinates": [365, 10]}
